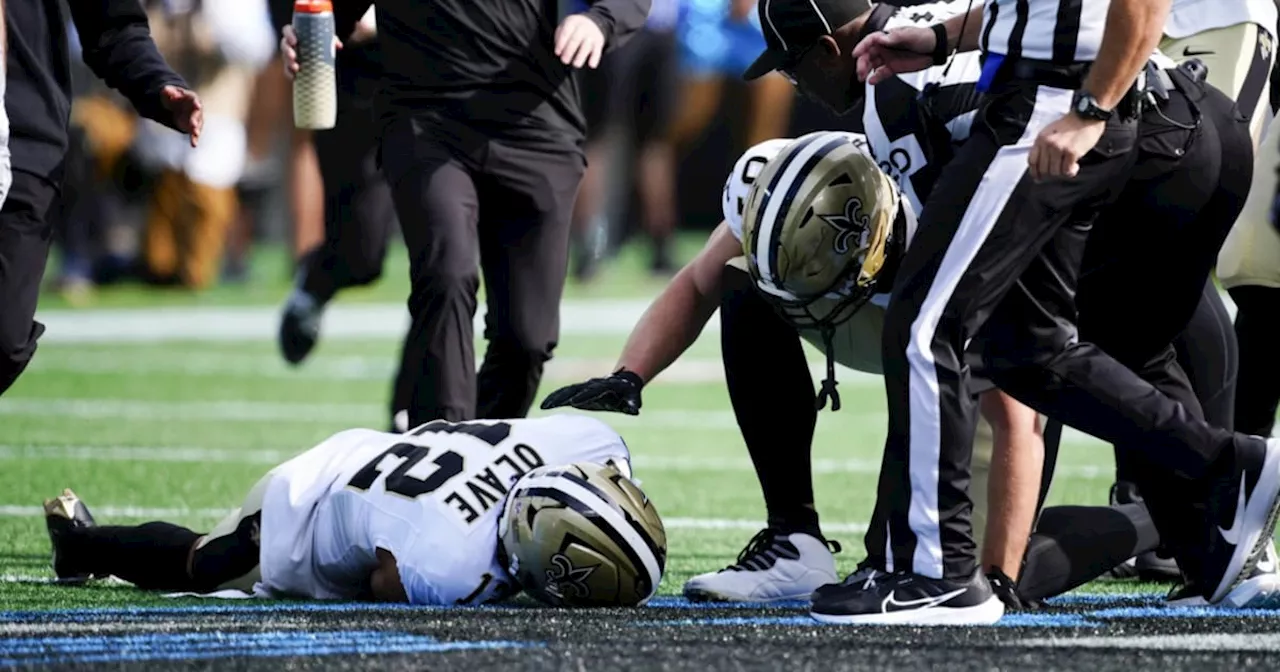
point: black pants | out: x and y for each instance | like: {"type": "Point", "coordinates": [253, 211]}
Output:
{"type": "Point", "coordinates": [25, 235]}
{"type": "Point", "coordinates": [1258, 388]}
{"type": "Point", "coordinates": [463, 198]}
{"type": "Point", "coordinates": [358, 213]}
{"type": "Point", "coordinates": [995, 248]}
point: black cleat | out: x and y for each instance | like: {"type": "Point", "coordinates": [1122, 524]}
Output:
{"type": "Point", "coordinates": [1242, 508]}
{"type": "Point", "coordinates": [1149, 566]}
{"type": "Point", "coordinates": [299, 326]}
{"type": "Point", "coordinates": [61, 515]}
{"type": "Point", "coordinates": [869, 597]}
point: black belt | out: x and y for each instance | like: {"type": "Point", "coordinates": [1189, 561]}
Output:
{"type": "Point", "coordinates": [1069, 76]}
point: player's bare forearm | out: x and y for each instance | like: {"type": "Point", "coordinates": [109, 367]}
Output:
{"type": "Point", "coordinates": [384, 582]}
{"type": "Point", "coordinates": [1133, 30]}
{"type": "Point", "coordinates": [963, 30]}
{"type": "Point", "coordinates": [676, 318]}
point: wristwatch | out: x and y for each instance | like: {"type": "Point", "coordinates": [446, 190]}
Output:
{"type": "Point", "coordinates": [1085, 105]}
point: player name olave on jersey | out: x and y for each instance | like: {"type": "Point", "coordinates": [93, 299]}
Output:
{"type": "Point", "coordinates": [484, 488]}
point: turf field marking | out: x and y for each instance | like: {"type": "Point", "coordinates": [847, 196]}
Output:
{"type": "Point", "coordinates": [213, 645]}
{"type": "Point", "coordinates": [613, 317]}
{"type": "Point", "coordinates": [1020, 620]}
{"type": "Point", "coordinates": [1181, 642]}
{"type": "Point", "coordinates": [113, 511]}
{"type": "Point", "coordinates": [341, 322]}
{"type": "Point", "coordinates": [643, 462]}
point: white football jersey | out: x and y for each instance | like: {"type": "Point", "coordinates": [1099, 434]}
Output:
{"type": "Point", "coordinates": [430, 496]}
{"type": "Point", "coordinates": [1188, 17]}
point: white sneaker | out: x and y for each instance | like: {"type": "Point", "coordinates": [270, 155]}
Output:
{"type": "Point", "coordinates": [773, 567]}
{"type": "Point", "coordinates": [1260, 591]}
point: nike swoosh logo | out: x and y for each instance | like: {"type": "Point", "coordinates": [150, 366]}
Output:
{"type": "Point", "coordinates": [1187, 53]}
{"type": "Point", "coordinates": [892, 603]}
{"type": "Point", "coordinates": [1232, 536]}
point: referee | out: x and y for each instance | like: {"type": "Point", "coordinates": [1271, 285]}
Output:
{"type": "Point", "coordinates": [481, 143]}
{"type": "Point", "coordinates": [1055, 146]}
{"type": "Point", "coordinates": [118, 48]}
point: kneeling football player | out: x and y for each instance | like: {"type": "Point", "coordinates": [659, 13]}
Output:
{"type": "Point", "coordinates": [445, 514]}
{"type": "Point", "coordinates": [790, 557]}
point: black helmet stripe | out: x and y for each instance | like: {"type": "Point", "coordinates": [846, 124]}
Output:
{"type": "Point", "coordinates": [775, 243]}
{"type": "Point", "coordinates": [644, 535]}
{"type": "Point", "coordinates": [603, 525]}
{"type": "Point", "coordinates": [766, 260]}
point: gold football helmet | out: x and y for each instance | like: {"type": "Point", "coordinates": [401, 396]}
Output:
{"type": "Point", "coordinates": [582, 535]}
{"type": "Point", "coordinates": [820, 232]}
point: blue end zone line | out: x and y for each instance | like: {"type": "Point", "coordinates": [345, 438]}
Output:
{"type": "Point", "coordinates": [197, 646]}
{"type": "Point", "coordinates": [275, 607]}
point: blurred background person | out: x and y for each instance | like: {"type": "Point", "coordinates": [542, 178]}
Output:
{"type": "Point", "coordinates": [218, 46]}
{"type": "Point", "coordinates": [629, 102]}
{"type": "Point", "coordinates": [359, 217]}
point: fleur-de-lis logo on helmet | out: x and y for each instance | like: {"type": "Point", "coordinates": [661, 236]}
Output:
{"type": "Point", "coordinates": [563, 575]}
{"type": "Point", "coordinates": [851, 225]}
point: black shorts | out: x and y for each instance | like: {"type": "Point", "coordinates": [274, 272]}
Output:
{"type": "Point", "coordinates": [635, 85]}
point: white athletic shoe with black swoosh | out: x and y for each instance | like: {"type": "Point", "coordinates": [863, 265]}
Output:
{"type": "Point", "coordinates": [1242, 508]}
{"type": "Point", "coordinates": [869, 597]}
{"type": "Point", "coordinates": [774, 566]}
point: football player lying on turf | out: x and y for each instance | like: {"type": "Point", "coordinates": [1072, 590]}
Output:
{"type": "Point", "coordinates": [790, 557]}
{"type": "Point", "coordinates": [445, 514]}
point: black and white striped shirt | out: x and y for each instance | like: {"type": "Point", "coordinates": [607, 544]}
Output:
{"type": "Point", "coordinates": [914, 121]}
{"type": "Point", "coordinates": [1061, 31]}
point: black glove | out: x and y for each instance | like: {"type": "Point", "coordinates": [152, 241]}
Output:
{"type": "Point", "coordinates": [619, 393]}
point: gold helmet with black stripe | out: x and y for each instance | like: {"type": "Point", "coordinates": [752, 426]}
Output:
{"type": "Point", "coordinates": [823, 228]}
{"type": "Point", "coordinates": [583, 535]}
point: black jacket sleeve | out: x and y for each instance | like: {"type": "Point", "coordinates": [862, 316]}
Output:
{"type": "Point", "coordinates": [118, 48]}
{"type": "Point", "coordinates": [619, 19]}
{"type": "Point", "coordinates": [346, 14]}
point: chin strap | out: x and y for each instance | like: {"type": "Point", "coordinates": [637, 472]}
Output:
{"type": "Point", "coordinates": [829, 384]}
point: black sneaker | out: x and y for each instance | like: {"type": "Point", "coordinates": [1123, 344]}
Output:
{"type": "Point", "coordinates": [62, 514]}
{"type": "Point", "coordinates": [300, 326]}
{"type": "Point", "coordinates": [907, 599]}
{"type": "Point", "coordinates": [1149, 566]}
{"type": "Point", "coordinates": [1242, 509]}
{"type": "Point", "coordinates": [1261, 590]}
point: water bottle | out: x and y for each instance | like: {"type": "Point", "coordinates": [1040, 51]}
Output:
{"type": "Point", "coordinates": [315, 85]}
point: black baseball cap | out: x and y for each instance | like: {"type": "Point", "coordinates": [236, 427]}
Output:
{"type": "Point", "coordinates": [792, 26]}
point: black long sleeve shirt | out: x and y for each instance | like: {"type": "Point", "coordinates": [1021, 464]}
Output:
{"type": "Point", "coordinates": [117, 47]}
{"type": "Point", "coordinates": [488, 63]}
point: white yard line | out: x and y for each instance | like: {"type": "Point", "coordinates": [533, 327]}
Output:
{"type": "Point", "coordinates": [596, 317]}
{"type": "Point", "coordinates": [108, 512]}
{"type": "Point", "coordinates": [258, 323]}
{"type": "Point", "coordinates": [643, 463]}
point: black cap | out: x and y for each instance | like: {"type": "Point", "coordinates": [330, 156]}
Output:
{"type": "Point", "coordinates": [791, 26]}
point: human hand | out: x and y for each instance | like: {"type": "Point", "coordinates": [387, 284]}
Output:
{"type": "Point", "coordinates": [579, 41]}
{"type": "Point", "coordinates": [883, 55]}
{"type": "Point", "coordinates": [289, 50]}
{"type": "Point", "coordinates": [1059, 146]}
{"type": "Point", "coordinates": [618, 393]}
{"type": "Point", "coordinates": [184, 105]}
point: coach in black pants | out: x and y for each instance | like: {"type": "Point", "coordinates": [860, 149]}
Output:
{"type": "Point", "coordinates": [118, 48]}
{"type": "Point", "coordinates": [999, 243]}
{"type": "Point", "coordinates": [481, 144]}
